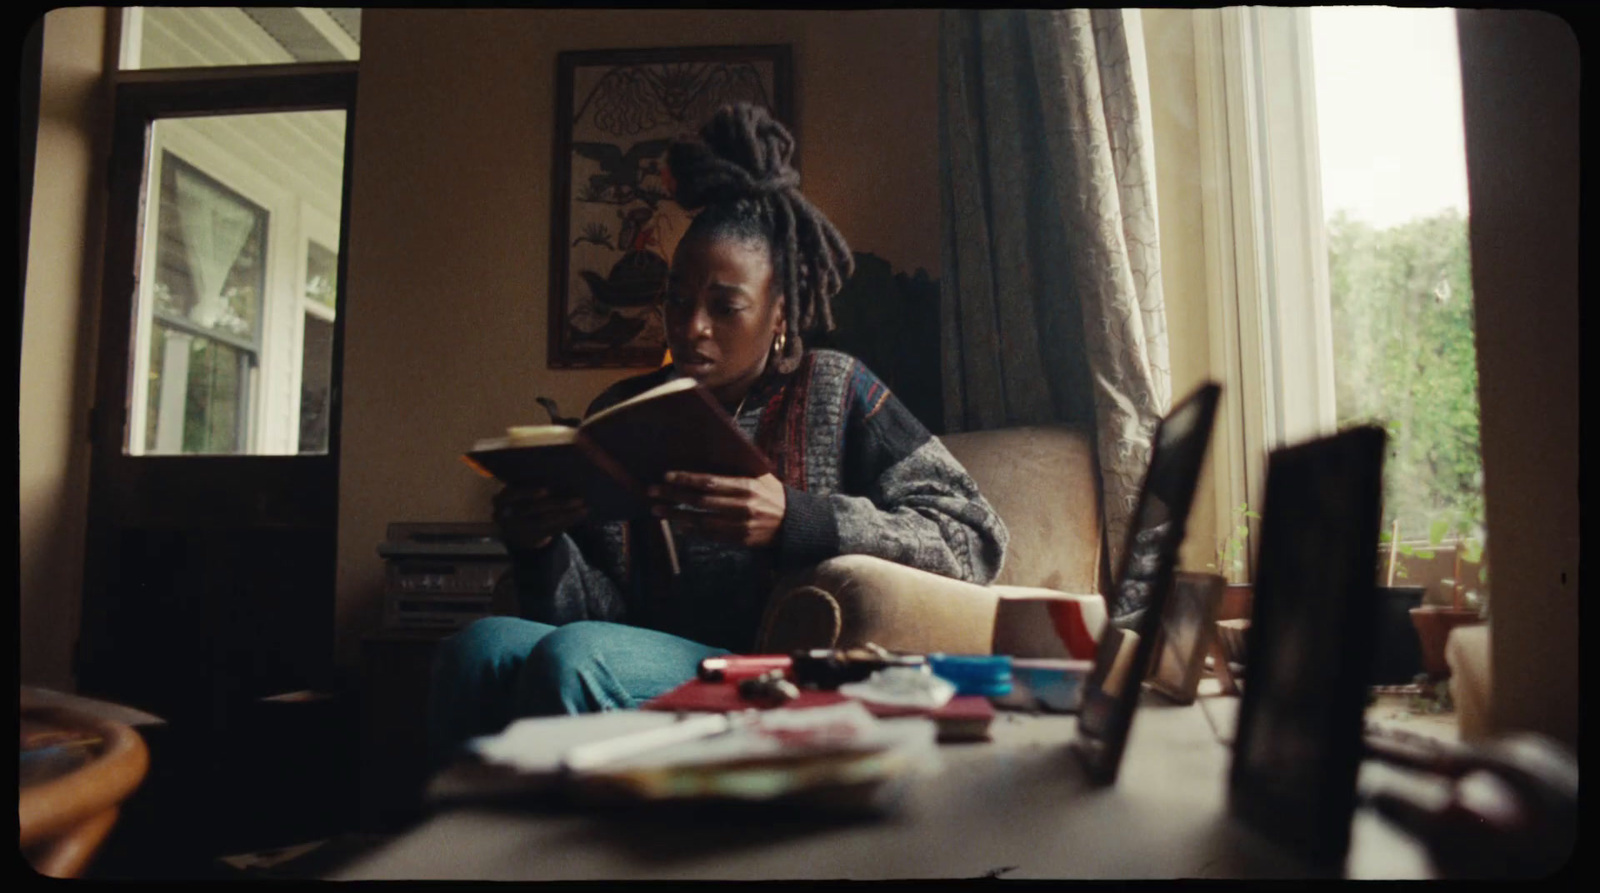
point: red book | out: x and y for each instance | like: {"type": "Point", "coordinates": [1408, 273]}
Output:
{"type": "Point", "coordinates": [612, 457]}
{"type": "Point", "coordinates": [964, 718]}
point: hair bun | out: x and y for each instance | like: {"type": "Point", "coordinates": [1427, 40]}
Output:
{"type": "Point", "coordinates": [743, 152]}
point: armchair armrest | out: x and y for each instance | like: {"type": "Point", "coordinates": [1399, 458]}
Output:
{"type": "Point", "coordinates": [854, 599]}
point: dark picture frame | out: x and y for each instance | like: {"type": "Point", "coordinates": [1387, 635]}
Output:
{"type": "Point", "coordinates": [1144, 577]}
{"type": "Point", "coordinates": [1188, 628]}
{"type": "Point", "coordinates": [613, 223]}
{"type": "Point", "coordinates": [1298, 747]}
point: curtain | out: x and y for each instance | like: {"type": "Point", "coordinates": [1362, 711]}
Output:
{"type": "Point", "coordinates": [1053, 309]}
{"type": "Point", "coordinates": [215, 229]}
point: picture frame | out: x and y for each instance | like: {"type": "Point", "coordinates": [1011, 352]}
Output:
{"type": "Point", "coordinates": [1298, 746]}
{"type": "Point", "coordinates": [1111, 692]}
{"type": "Point", "coordinates": [1187, 630]}
{"type": "Point", "coordinates": [614, 224]}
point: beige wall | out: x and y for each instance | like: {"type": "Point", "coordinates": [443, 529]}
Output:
{"type": "Point", "coordinates": [446, 324]}
{"type": "Point", "coordinates": [57, 345]}
{"type": "Point", "coordinates": [1169, 47]}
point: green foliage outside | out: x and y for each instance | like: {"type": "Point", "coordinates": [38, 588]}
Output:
{"type": "Point", "coordinates": [1404, 358]}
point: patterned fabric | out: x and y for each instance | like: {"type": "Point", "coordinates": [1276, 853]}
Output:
{"type": "Point", "coordinates": [1055, 312]}
{"type": "Point", "coordinates": [861, 476]}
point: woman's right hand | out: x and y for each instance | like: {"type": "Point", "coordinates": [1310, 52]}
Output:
{"type": "Point", "coordinates": [529, 518]}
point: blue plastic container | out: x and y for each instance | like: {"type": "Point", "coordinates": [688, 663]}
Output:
{"type": "Point", "coordinates": [987, 675]}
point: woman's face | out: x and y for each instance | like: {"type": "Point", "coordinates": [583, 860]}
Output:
{"type": "Point", "coordinates": [721, 314]}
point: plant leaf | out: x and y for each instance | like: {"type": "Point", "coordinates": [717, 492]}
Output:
{"type": "Point", "coordinates": [1424, 553]}
{"type": "Point", "coordinates": [1437, 531]}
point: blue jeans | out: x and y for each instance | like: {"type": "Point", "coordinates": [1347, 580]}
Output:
{"type": "Point", "coordinates": [502, 668]}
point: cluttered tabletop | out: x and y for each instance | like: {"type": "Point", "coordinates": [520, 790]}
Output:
{"type": "Point", "coordinates": [894, 775]}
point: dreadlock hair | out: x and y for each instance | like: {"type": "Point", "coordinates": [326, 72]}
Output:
{"type": "Point", "coordinates": [738, 176]}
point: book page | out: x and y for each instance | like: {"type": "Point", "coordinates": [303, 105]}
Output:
{"type": "Point", "coordinates": [671, 387]}
{"type": "Point", "coordinates": [539, 435]}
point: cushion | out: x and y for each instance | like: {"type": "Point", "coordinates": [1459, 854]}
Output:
{"type": "Point", "coordinates": [1032, 622]}
{"type": "Point", "coordinates": [1041, 481]}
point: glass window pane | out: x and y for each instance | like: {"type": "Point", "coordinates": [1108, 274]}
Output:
{"type": "Point", "coordinates": [210, 267]}
{"type": "Point", "coordinates": [316, 379]}
{"type": "Point", "coordinates": [193, 37]}
{"type": "Point", "coordinates": [1388, 94]}
{"type": "Point", "coordinates": [199, 394]}
{"type": "Point", "coordinates": [237, 204]}
{"type": "Point", "coordinates": [322, 274]}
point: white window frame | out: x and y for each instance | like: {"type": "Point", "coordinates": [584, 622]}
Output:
{"type": "Point", "coordinates": [1266, 247]}
{"type": "Point", "coordinates": [275, 386]}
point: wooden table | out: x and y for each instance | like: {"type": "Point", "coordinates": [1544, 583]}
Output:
{"type": "Point", "coordinates": [74, 771]}
{"type": "Point", "coordinates": [1018, 807]}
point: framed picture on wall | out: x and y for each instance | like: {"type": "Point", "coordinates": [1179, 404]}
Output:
{"type": "Point", "coordinates": [614, 224]}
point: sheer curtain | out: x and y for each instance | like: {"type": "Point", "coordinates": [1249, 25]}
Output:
{"type": "Point", "coordinates": [215, 229]}
{"type": "Point", "coordinates": [1053, 309]}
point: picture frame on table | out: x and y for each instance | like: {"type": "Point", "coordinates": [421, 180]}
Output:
{"type": "Point", "coordinates": [613, 223]}
{"type": "Point", "coordinates": [1188, 628]}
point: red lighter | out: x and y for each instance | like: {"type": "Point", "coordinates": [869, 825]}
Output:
{"type": "Point", "coordinates": [734, 667]}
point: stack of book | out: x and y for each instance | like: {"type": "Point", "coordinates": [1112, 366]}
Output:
{"type": "Point", "coordinates": [835, 756]}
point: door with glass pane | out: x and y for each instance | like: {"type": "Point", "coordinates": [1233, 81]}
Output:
{"type": "Point", "coordinates": [210, 568]}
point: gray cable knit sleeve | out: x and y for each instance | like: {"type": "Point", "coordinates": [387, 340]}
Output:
{"type": "Point", "coordinates": [560, 584]}
{"type": "Point", "coordinates": [903, 498]}
{"type": "Point", "coordinates": [580, 575]}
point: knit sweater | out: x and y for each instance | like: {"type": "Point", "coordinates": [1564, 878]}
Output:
{"type": "Point", "coordinates": [861, 476]}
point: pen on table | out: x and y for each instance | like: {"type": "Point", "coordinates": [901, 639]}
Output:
{"type": "Point", "coordinates": [587, 756]}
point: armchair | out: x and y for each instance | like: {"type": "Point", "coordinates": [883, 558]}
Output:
{"type": "Point", "coordinates": [1046, 601]}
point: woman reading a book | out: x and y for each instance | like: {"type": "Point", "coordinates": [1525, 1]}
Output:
{"type": "Point", "coordinates": [615, 614]}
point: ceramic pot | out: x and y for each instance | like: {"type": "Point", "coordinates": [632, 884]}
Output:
{"type": "Point", "coordinates": [1433, 624]}
{"type": "Point", "coordinates": [1232, 634]}
{"type": "Point", "coordinates": [1237, 600]}
{"type": "Point", "coordinates": [1398, 653]}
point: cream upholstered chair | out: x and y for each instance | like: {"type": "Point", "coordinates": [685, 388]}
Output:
{"type": "Point", "coordinates": [1045, 603]}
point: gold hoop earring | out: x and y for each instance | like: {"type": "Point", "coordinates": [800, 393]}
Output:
{"type": "Point", "coordinates": [778, 343]}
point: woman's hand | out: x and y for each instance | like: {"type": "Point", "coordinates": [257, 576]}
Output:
{"type": "Point", "coordinates": [744, 511]}
{"type": "Point", "coordinates": [530, 518]}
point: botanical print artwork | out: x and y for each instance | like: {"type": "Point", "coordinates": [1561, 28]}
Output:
{"type": "Point", "coordinates": [618, 225]}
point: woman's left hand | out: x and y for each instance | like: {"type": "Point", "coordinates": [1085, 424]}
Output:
{"type": "Point", "coordinates": [744, 511]}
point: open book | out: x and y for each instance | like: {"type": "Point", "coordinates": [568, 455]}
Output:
{"type": "Point", "coordinates": [616, 453]}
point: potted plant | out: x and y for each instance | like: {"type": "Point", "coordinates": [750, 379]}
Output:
{"type": "Point", "coordinates": [1233, 612]}
{"type": "Point", "coordinates": [1434, 622]}
{"type": "Point", "coordinates": [1398, 655]}
{"type": "Point", "coordinates": [1231, 562]}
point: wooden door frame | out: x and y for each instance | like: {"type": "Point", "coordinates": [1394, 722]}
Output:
{"type": "Point", "coordinates": [141, 98]}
